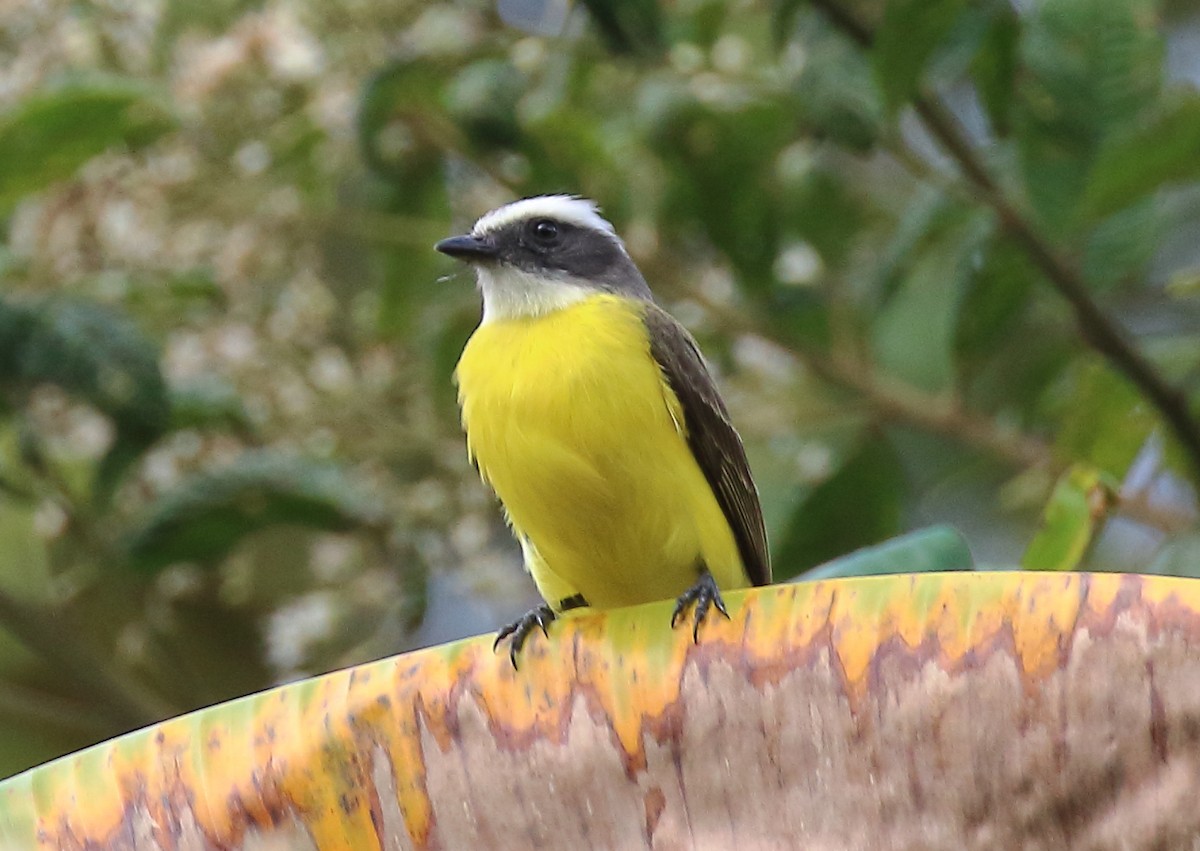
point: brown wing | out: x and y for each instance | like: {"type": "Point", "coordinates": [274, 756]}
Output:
{"type": "Point", "coordinates": [712, 438]}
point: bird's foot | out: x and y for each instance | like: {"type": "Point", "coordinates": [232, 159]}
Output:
{"type": "Point", "coordinates": [537, 618]}
{"type": "Point", "coordinates": [704, 594]}
{"type": "Point", "coordinates": [517, 631]}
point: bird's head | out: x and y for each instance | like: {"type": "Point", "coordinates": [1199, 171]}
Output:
{"type": "Point", "coordinates": [544, 253]}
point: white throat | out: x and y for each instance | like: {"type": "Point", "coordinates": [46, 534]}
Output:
{"type": "Point", "coordinates": [510, 293]}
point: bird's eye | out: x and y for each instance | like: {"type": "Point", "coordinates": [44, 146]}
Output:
{"type": "Point", "coordinates": [545, 231]}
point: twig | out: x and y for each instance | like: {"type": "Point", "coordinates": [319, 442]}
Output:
{"type": "Point", "coordinates": [1098, 330]}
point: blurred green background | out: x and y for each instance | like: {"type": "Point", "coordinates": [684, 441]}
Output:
{"type": "Point", "coordinates": [229, 450]}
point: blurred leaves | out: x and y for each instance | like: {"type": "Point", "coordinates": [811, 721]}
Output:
{"type": "Point", "coordinates": [1072, 519]}
{"type": "Point", "coordinates": [857, 505]}
{"type": "Point", "coordinates": [208, 402]}
{"type": "Point", "coordinates": [93, 353]}
{"type": "Point", "coordinates": [928, 296]}
{"type": "Point", "coordinates": [994, 67]}
{"type": "Point", "coordinates": [721, 168]}
{"type": "Point", "coordinates": [909, 33]}
{"type": "Point", "coordinates": [627, 26]}
{"type": "Point", "coordinates": [835, 93]}
{"type": "Point", "coordinates": [90, 351]}
{"type": "Point", "coordinates": [1140, 160]}
{"type": "Point", "coordinates": [1123, 245]}
{"type": "Point", "coordinates": [1089, 71]}
{"type": "Point", "coordinates": [208, 514]}
{"type": "Point", "coordinates": [402, 135]}
{"type": "Point", "coordinates": [482, 98]}
{"type": "Point", "coordinates": [1104, 420]}
{"type": "Point", "coordinates": [997, 295]}
{"type": "Point", "coordinates": [931, 550]}
{"type": "Point", "coordinates": [49, 135]}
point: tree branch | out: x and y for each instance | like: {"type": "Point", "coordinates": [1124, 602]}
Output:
{"type": "Point", "coordinates": [1098, 330]}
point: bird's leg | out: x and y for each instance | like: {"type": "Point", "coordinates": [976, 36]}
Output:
{"type": "Point", "coordinates": [537, 618]}
{"type": "Point", "coordinates": [704, 594]}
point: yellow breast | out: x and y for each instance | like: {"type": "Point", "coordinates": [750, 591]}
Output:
{"type": "Point", "coordinates": [572, 425]}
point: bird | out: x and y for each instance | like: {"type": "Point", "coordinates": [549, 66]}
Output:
{"type": "Point", "coordinates": [591, 414]}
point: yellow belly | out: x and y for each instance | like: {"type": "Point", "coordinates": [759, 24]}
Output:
{"type": "Point", "coordinates": [573, 427]}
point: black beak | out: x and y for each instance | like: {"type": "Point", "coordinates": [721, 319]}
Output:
{"type": "Point", "coordinates": [469, 248]}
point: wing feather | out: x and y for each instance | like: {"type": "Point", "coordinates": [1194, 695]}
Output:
{"type": "Point", "coordinates": [712, 438]}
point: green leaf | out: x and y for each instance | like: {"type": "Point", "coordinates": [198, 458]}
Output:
{"type": "Point", "coordinates": [196, 284]}
{"type": "Point", "coordinates": [1072, 519]}
{"type": "Point", "coordinates": [908, 35]}
{"type": "Point", "coordinates": [206, 516]}
{"type": "Point", "coordinates": [411, 184]}
{"type": "Point", "coordinates": [1007, 351]}
{"type": "Point", "coordinates": [1015, 376]}
{"type": "Point", "coordinates": [1089, 71]}
{"type": "Point", "coordinates": [821, 209]}
{"type": "Point", "coordinates": [994, 68]}
{"type": "Point", "coordinates": [394, 102]}
{"type": "Point", "coordinates": [1184, 283]}
{"type": "Point", "coordinates": [1103, 419]}
{"type": "Point", "coordinates": [721, 166]}
{"type": "Point", "coordinates": [836, 93]}
{"type": "Point", "coordinates": [995, 299]}
{"type": "Point", "coordinates": [628, 26]}
{"type": "Point", "coordinates": [783, 19]}
{"type": "Point", "coordinates": [1122, 245]}
{"type": "Point", "coordinates": [858, 505]}
{"type": "Point", "coordinates": [90, 351]}
{"type": "Point", "coordinates": [47, 136]}
{"type": "Point", "coordinates": [703, 23]}
{"type": "Point", "coordinates": [932, 550]}
{"type": "Point", "coordinates": [1134, 164]}
{"type": "Point", "coordinates": [914, 335]}
{"type": "Point", "coordinates": [482, 98]}
{"type": "Point", "coordinates": [569, 146]}
{"type": "Point", "coordinates": [927, 214]}
{"type": "Point", "coordinates": [208, 402]}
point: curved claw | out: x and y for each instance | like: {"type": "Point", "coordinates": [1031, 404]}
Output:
{"type": "Point", "coordinates": [521, 628]}
{"type": "Point", "coordinates": [705, 594]}
{"type": "Point", "coordinates": [504, 633]}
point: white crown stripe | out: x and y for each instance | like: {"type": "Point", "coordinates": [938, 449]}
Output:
{"type": "Point", "coordinates": [564, 208]}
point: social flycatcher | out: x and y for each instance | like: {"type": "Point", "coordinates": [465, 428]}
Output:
{"type": "Point", "coordinates": [589, 411]}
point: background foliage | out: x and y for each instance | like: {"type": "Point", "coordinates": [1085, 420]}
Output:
{"type": "Point", "coordinates": [942, 255]}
